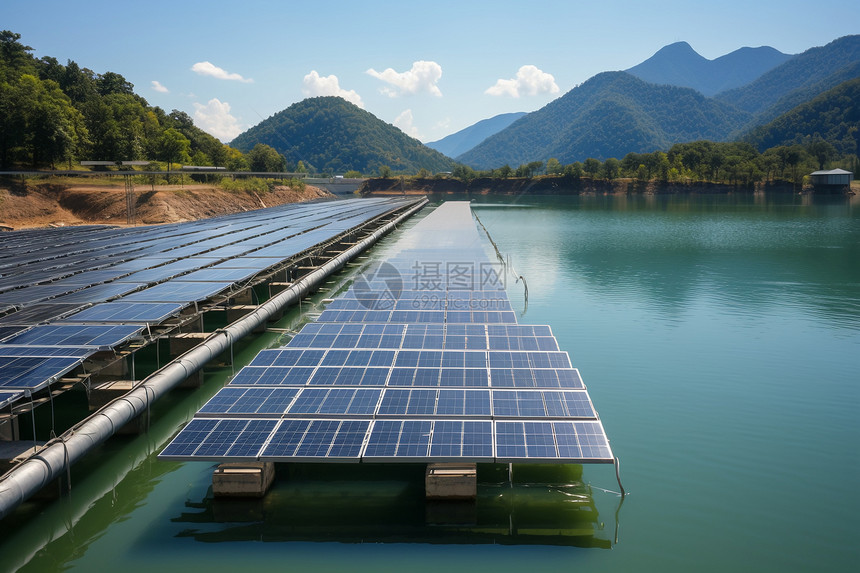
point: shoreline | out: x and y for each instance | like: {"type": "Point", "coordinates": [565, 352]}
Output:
{"type": "Point", "coordinates": [564, 186]}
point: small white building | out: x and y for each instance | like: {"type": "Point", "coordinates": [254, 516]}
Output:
{"type": "Point", "coordinates": [833, 177]}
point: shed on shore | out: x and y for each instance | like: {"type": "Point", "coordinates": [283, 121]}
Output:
{"type": "Point", "coordinates": [831, 178]}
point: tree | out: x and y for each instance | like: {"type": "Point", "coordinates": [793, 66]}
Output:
{"type": "Point", "coordinates": [113, 83]}
{"type": "Point", "coordinates": [174, 148]}
{"type": "Point", "coordinates": [822, 151]}
{"type": "Point", "coordinates": [554, 167]}
{"type": "Point", "coordinates": [13, 54]}
{"type": "Point", "coordinates": [234, 160]}
{"type": "Point", "coordinates": [384, 171]}
{"type": "Point", "coordinates": [505, 171]}
{"type": "Point", "coordinates": [574, 170]}
{"type": "Point", "coordinates": [591, 166]}
{"type": "Point", "coordinates": [611, 167]}
{"type": "Point", "coordinates": [464, 173]}
{"type": "Point", "coordinates": [266, 159]}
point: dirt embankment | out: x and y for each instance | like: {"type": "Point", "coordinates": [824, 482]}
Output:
{"type": "Point", "coordinates": [23, 206]}
{"type": "Point", "coordinates": [546, 186]}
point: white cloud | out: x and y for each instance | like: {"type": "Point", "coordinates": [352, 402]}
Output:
{"type": "Point", "coordinates": [316, 85]}
{"type": "Point", "coordinates": [210, 69]}
{"type": "Point", "coordinates": [404, 122]}
{"type": "Point", "coordinates": [156, 85]}
{"type": "Point", "coordinates": [421, 78]}
{"type": "Point", "coordinates": [529, 81]}
{"type": "Point", "coordinates": [215, 119]}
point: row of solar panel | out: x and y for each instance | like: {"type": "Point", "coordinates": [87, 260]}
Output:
{"type": "Point", "coordinates": [419, 316]}
{"type": "Point", "coordinates": [44, 244]}
{"type": "Point", "coordinates": [408, 376]}
{"type": "Point", "coordinates": [408, 357]}
{"type": "Point", "coordinates": [341, 440]}
{"type": "Point", "coordinates": [34, 354]}
{"type": "Point", "coordinates": [128, 252]}
{"type": "Point", "coordinates": [393, 402]}
{"type": "Point", "coordinates": [461, 336]}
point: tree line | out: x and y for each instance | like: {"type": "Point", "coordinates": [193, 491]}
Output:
{"type": "Point", "coordinates": [733, 163]}
{"type": "Point", "coordinates": [54, 115]}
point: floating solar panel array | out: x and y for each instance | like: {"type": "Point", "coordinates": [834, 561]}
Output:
{"type": "Point", "coordinates": [421, 360]}
{"type": "Point", "coordinates": [70, 292]}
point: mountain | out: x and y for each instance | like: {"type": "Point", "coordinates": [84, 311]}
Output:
{"type": "Point", "coordinates": [808, 74]}
{"type": "Point", "coordinates": [610, 115]}
{"type": "Point", "coordinates": [332, 135]}
{"type": "Point", "coordinates": [679, 64]}
{"type": "Point", "coordinates": [833, 116]}
{"type": "Point", "coordinates": [465, 139]}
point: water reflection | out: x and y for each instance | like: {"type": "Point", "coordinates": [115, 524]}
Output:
{"type": "Point", "coordinates": [386, 504]}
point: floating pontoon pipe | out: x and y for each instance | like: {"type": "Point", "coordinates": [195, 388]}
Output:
{"type": "Point", "coordinates": [39, 470]}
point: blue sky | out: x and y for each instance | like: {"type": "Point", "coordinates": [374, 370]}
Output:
{"type": "Point", "coordinates": [431, 68]}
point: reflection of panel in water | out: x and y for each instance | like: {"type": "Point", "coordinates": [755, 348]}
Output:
{"type": "Point", "coordinates": [386, 504]}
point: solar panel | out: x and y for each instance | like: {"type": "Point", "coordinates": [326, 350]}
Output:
{"type": "Point", "coordinates": [126, 312]}
{"type": "Point", "coordinates": [90, 336]}
{"type": "Point", "coordinates": [176, 291]}
{"type": "Point", "coordinates": [317, 440]}
{"type": "Point", "coordinates": [38, 313]}
{"type": "Point", "coordinates": [44, 351]}
{"type": "Point", "coordinates": [31, 372]}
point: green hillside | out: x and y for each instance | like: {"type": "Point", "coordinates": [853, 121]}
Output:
{"type": "Point", "coordinates": [331, 135]}
{"type": "Point", "coordinates": [833, 116]}
{"type": "Point", "coordinates": [808, 74]}
{"type": "Point", "coordinates": [610, 115]}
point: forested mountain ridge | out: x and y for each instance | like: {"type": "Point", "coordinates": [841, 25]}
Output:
{"type": "Point", "coordinates": [809, 73]}
{"type": "Point", "coordinates": [330, 134]}
{"type": "Point", "coordinates": [680, 65]}
{"type": "Point", "coordinates": [465, 139]}
{"type": "Point", "coordinates": [832, 117]}
{"type": "Point", "coordinates": [609, 115]}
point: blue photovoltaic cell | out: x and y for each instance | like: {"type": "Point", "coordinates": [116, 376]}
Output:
{"type": "Point", "coordinates": [335, 401]}
{"type": "Point", "coordinates": [133, 312]}
{"type": "Point", "coordinates": [272, 376]}
{"type": "Point", "coordinates": [288, 357]}
{"type": "Point", "coordinates": [339, 440]}
{"type": "Point", "coordinates": [45, 351]}
{"type": "Point", "coordinates": [249, 401]}
{"type": "Point", "coordinates": [93, 336]}
{"type": "Point", "coordinates": [235, 438]}
{"type": "Point", "coordinates": [400, 439]}
{"type": "Point", "coordinates": [534, 359]}
{"type": "Point", "coordinates": [435, 402]}
{"type": "Point", "coordinates": [98, 293]}
{"type": "Point", "coordinates": [176, 291]}
{"type": "Point", "coordinates": [349, 376]}
{"type": "Point", "coordinates": [39, 313]}
{"type": "Point", "coordinates": [33, 372]}
{"type": "Point", "coordinates": [535, 378]}
{"type": "Point", "coordinates": [456, 439]}
{"type": "Point", "coordinates": [217, 275]}
{"type": "Point", "coordinates": [538, 404]}
{"type": "Point", "coordinates": [549, 440]}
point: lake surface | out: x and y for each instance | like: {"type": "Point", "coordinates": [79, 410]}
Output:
{"type": "Point", "coordinates": [719, 337]}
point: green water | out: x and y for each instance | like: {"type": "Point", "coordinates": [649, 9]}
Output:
{"type": "Point", "coordinates": [719, 337]}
